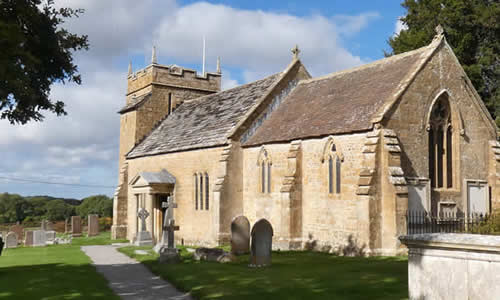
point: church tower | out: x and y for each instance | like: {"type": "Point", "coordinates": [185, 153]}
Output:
{"type": "Point", "coordinates": [152, 94]}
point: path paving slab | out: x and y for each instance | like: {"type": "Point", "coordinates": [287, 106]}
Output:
{"type": "Point", "coordinates": [130, 279]}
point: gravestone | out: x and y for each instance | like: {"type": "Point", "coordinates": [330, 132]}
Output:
{"type": "Point", "coordinates": [28, 238]}
{"type": "Point", "coordinates": [240, 235]}
{"type": "Point", "coordinates": [76, 226]}
{"type": "Point", "coordinates": [39, 238]}
{"type": "Point", "coordinates": [262, 241]}
{"type": "Point", "coordinates": [1, 244]}
{"type": "Point", "coordinates": [93, 227]}
{"type": "Point", "coordinates": [11, 240]}
{"type": "Point", "coordinates": [144, 237]}
{"type": "Point", "coordinates": [46, 225]}
{"type": "Point", "coordinates": [50, 235]}
{"type": "Point", "coordinates": [19, 230]}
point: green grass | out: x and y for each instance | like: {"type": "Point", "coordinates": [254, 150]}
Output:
{"type": "Point", "coordinates": [104, 238]}
{"type": "Point", "coordinates": [53, 272]}
{"type": "Point", "coordinates": [293, 275]}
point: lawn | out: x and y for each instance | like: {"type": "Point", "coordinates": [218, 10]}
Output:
{"type": "Point", "coordinates": [53, 272]}
{"type": "Point", "coordinates": [293, 275]}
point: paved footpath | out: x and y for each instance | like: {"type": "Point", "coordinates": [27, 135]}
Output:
{"type": "Point", "coordinates": [130, 279]}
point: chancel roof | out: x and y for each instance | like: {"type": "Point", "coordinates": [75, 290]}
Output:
{"type": "Point", "coordinates": [342, 102]}
{"type": "Point", "coordinates": [205, 121]}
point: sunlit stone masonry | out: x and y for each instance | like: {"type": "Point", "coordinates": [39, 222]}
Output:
{"type": "Point", "coordinates": [332, 163]}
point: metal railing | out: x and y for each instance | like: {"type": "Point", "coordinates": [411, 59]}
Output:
{"type": "Point", "coordinates": [418, 222]}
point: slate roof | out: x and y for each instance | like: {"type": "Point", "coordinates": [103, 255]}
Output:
{"type": "Point", "coordinates": [342, 102]}
{"type": "Point", "coordinates": [136, 102]}
{"type": "Point", "coordinates": [158, 177]}
{"type": "Point", "coordinates": [205, 121]}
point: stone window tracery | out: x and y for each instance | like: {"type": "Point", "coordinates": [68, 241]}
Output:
{"type": "Point", "coordinates": [201, 191]}
{"type": "Point", "coordinates": [333, 156]}
{"type": "Point", "coordinates": [441, 144]}
{"type": "Point", "coordinates": [264, 162]}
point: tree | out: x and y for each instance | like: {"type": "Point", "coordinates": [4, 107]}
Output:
{"type": "Point", "coordinates": [35, 52]}
{"type": "Point", "coordinates": [58, 210]}
{"type": "Point", "coordinates": [472, 28]}
{"type": "Point", "coordinates": [99, 204]}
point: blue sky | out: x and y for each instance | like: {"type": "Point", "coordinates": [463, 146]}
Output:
{"type": "Point", "coordinates": [253, 39]}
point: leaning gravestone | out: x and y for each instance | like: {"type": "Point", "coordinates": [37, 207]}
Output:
{"type": "Point", "coordinates": [240, 235]}
{"type": "Point", "coordinates": [19, 230]}
{"type": "Point", "coordinates": [28, 238]}
{"type": "Point", "coordinates": [93, 226]}
{"type": "Point", "coordinates": [76, 226]}
{"type": "Point", "coordinates": [11, 240]}
{"type": "Point", "coordinates": [262, 239]}
{"type": "Point", "coordinates": [39, 238]}
{"type": "Point", "coordinates": [1, 245]}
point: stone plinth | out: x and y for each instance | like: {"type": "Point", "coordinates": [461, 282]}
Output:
{"type": "Point", "coordinates": [169, 255]}
{"type": "Point", "coordinates": [144, 239]}
{"type": "Point", "coordinates": [453, 266]}
{"type": "Point", "coordinates": [50, 235]}
{"type": "Point", "coordinates": [93, 227]}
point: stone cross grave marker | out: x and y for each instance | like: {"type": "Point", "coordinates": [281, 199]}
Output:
{"type": "Point", "coordinates": [93, 227]}
{"type": "Point", "coordinates": [11, 240]}
{"type": "Point", "coordinates": [262, 239]}
{"type": "Point", "coordinates": [76, 226]}
{"type": "Point", "coordinates": [19, 230]}
{"type": "Point", "coordinates": [144, 237]}
{"type": "Point", "coordinates": [28, 239]}
{"type": "Point", "coordinates": [240, 235]}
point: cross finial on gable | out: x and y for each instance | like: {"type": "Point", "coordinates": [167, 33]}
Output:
{"type": "Point", "coordinates": [439, 30]}
{"type": "Point", "coordinates": [296, 52]}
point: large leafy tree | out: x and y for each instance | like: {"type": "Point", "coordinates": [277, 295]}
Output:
{"type": "Point", "coordinates": [98, 204]}
{"type": "Point", "coordinates": [472, 28]}
{"type": "Point", "coordinates": [35, 52]}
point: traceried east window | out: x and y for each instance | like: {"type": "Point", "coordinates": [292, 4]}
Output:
{"type": "Point", "coordinates": [441, 144]}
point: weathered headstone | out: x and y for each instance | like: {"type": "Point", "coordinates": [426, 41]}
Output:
{"type": "Point", "coordinates": [66, 226]}
{"type": "Point", "coordinates": [39, 238]}
{"type": "Point", "coordinates": [11, 240]}
{"type": "Point", "coordinates": [50, 235]}
{"type": "Point", "coordinates": [76, 226]}
{"type": "Point", "coordinates": [46, 225]}
{"type": "Point", "coordinates": [28, 238]}
{"type": "Point", "coordinates": [19, 230]}
{"type": "Point", "coordinates": [93, 226]}
{"type": "Point", "coordinates": [240, 235]}
{"type": "Point", "coordinates": [262, 241]}
{"type": "Point", "coordinates": [144, 237]}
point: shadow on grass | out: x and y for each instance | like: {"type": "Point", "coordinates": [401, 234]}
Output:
{"type": "Point", "coordinates": [293, 275]}
{"type": "Point", "coordinates": [52, 281]}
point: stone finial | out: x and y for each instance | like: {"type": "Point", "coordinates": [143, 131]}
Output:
{"type": "Point", "coordinates": [153, 56]}
{"type": "Point", "coordinates": [129, 68]}
{"type": "Point", "coordinates": [296, 52]}
{"type": "Point", "coordinates": [439, 30]}
{"type": "Point", "coordinates": [218, 64]}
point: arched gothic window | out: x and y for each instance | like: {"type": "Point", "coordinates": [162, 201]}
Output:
{"type": "Point", "coordinates": [264, 162]}
{"type": "Point", "coordinates": [441, 144]}
{"type": "Point", "coordinates": [207, 191]}
{"type": "Point", "coordinates": [201, 191]}
{"type": "Point", "coordinates": [195, 181]}
{"type": "Point", "coordinates": [333, 156]}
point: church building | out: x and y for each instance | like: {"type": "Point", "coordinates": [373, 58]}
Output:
{"type": "Point", "coordinates": [332, 161]}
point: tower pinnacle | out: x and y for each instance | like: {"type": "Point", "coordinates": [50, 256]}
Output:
{"type": "Point", "coordinates": [129, 68]}
{"type": "Point", "coordinates": [218, 64]}
{"type": "Point", "coordinates": [153, 56]}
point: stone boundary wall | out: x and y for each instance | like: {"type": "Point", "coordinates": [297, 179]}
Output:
{"type": "Point", "coordinates": [453, 266]}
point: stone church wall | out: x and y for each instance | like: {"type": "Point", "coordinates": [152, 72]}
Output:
{"type": "Point", "coordinates": [195, 225]}
{"type": "Point", "coordinates": [408, 118]}
{"type": "Point", "coordinates": [329, 221]}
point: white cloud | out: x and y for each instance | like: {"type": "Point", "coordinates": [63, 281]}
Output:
{"type": "Point", "coordinates": [399, 26]}
{"type": "Point", "coordinates": [82, 147]}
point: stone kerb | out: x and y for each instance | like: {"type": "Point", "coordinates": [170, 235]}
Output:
{"type": "Point", "coordinates": [453, 266]}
